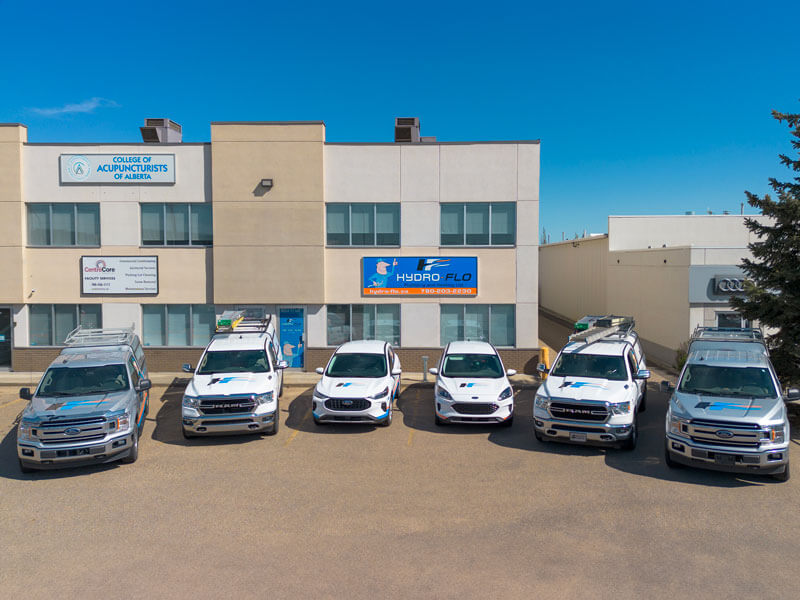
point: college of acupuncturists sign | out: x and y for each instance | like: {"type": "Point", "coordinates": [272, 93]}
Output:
{"type": "Point", "coordinates": [420, 276]}
{"type": "Point", "coordinates": [119, 275]}
{"type": "Point", "coordinates": [117, 168]}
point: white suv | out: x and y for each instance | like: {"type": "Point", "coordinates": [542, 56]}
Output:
{"type": "Point", "coordinates": [359, 385]}
{"type": "Point", "coordinates": [472, 386]}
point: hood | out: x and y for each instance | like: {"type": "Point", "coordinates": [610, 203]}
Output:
{"type": "Point", "coordinates": [586, 388]}
{"type": "Point", "coordinates": [229, 384]}
{"type": "Point", "coordinates": [352, 387]}
{"type": "Point", "coordinates": [468, 388]}
{"type": "Point", "coordinates": [70, 407]}
{"type": "Point", "coordinates": [715, 408]}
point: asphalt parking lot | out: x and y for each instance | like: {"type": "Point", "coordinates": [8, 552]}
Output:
{"type": "Point", "coordinates": [407, 511]}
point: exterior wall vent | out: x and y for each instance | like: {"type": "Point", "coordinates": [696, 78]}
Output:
{"type": "Point", "coordinates": [406, 129]}
{"type": "Point", "coordinates": [161, 131]}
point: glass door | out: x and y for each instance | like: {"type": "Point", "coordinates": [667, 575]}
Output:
{"type": "Point", "coordinates": [5, 337]}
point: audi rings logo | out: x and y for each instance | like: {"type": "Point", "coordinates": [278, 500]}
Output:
{"type": "Point", "coordinates": [729, 285]}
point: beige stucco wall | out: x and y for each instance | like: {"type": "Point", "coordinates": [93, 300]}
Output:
{"type": "Point", "coordinates": [268, 245]}
{"type": "Point", "coordinates": [655, 231]}
{"type": "Point", "coordinates": [12, 138]}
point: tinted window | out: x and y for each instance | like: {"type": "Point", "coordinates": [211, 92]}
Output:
{"type": "Point", "coordinates": [75, 381]}
{"type": "Point", "coordinates": [737, 382]}
{"type": "Point", "coordinates": [472, 366]}
{"type": "Point", "coordinates": [234, 361]}
{"type": "Point", "coordinates": [590, 365]}
{"type": "Point", "coordinates": [357, 365]}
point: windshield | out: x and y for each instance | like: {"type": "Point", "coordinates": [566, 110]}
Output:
{"type": "Point", "coordinates": [473, 366]}
{"type": "Point", "coordinates": [734, 382]}
{"type": "Point", "coordinates": [234, 361]}
{"type": "Point", "coordinates": [590, 365]}
{"type": "Point", "coordinates": [357, 365]}
{"type": "Point", "coordinates": [81, 381]}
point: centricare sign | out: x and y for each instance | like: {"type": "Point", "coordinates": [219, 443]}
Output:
{"type": "Point", "coordinates": [419, 276]}
{"type": "Point", "coordinates": [106, 275]}
{"type": "Point", "coordinates": [117, 168]}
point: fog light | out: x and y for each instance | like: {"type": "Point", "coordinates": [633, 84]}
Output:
{"type": "Point", "coordinates": [27, 452]}
{"type": "Point", "coordinates": [439, 406]}
{"type": "Point", "coordinates": [383, 406]}
{"type": "Point", "coordinates": [677, 446]}
{"type": "Point", "coordinates": [118, 443]}
{"type": "Point", "coordinates": [538, 423]}
{"type": "Point", "coordinates": [188, 422]}
{"type": "Point", "coordinates": [777, 456]}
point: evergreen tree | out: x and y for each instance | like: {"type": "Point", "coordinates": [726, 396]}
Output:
{"type": "Point", "coordinates": [772, 296]}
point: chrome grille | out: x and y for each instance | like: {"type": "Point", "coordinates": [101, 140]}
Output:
{"type": "Point", "coordinates": [743, 435]}
{"type": "Point", "coordinates": [578, 411]}
{"type": "Point", "coordinates": [88, 430]}
{"type": "Point", "coordinates": [347, 404]}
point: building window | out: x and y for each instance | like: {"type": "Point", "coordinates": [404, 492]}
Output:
{"type": "Point", "coordinates": [494, 323]}
{"type": "Point", "coordinates": [177, 324]}
{"type": "Point", "coordinates": [731, 320]}
{"type": "Point", "coordinates": [478, 224]}
{"type": "Point", "coordinates": [363, 224]}
{"type": "Point", "coordinates": [176, 224]}
{"type": "Point", "coordinates": [64, 224]}
{"type": "Point", "coordinates": [49, 324]}
{"type": "Point", "coordinates": [348, 322]}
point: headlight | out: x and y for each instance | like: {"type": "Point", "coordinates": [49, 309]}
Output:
{"type": "Point", "coordinates": [443, 394]}
{"type": "Point", "coordinates": [123, 422]}
{"type": "Point", "coordinates": [542, 402]}
{"type": "Point", "coordinates": [319, 395]}
{"type": "Point", "coordinates": [25, 431]}
{"type": "Point", "coordinates": [190, 401]}
{"type": "Point", "coordinates": [775, 434]}
{"type": "Point", "coordinates": [263, 398]}
{"type": "Point", "coordinates": [623, 408]}
{"type": "Point", "coordinates": [678, 425]}
{"type": "Point", "coordinates": [380, 395]}
{"type": "Point", "coordinates": [505, 394]}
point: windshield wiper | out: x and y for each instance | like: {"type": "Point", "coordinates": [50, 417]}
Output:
{"type": "Point", "coordinates": [57, 394]}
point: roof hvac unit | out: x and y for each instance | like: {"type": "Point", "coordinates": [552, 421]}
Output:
{"type": "Point", "coordinates": [161, 131]}
{"type": "Point", "coordinates": [406, 129]}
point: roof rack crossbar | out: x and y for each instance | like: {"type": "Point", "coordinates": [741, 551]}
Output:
{"type": "Point", "coordinates": [235, 321]}
{"type": "Point", "coordinates": [728, 334]}
{"type": "Point", "coordinates": [106, 336]}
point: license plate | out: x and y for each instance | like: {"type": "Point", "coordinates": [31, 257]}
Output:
{"type": "Point", "coordinates": [577, 437]}
{"type": "Point", "coordinates": [724, 459]}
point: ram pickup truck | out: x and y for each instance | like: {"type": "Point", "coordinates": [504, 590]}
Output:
{"type": "Point", "coordinates": [89, 406]}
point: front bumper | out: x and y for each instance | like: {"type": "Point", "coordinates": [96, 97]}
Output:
{"type": "Point", "coordinates": [377, 412]}
{"type": "Point", "coordinates": [448, 410]}
{"type": "Point", "coordinates": [229, 423]}
{"type": "Point", "coordinates": [59, 456]}
{"type": "Point", "coordinates": [591, 432]}
{"type": "Point", "coordinates": [728, 458]}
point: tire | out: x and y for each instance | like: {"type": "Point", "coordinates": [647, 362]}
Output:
{"type": "Point", "coordinates": [643, 401]}
{"type": "Point", "coordinates": [508, 422]}
{"type": "Point", "coordinates": [25, 468]}
{"type": "Point", "coordinates": [276, 425]}
{"type": "Point", "coordinates": [280, 390]}
{"type": "Point", "coordinates": [439, 422]}
{"type": "Point", "coordinates": [134, 453]}
{"type": "Point", "coordinates": [630, 443]}
{"type": "Point", "coordinates": [782, 476]}
{"type": "Point", "coordinates": [671, 464]}
{"type": "Point", "coordinates": [388, 420]}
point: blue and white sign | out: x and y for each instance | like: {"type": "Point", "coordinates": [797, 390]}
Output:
{"type": "Point", "coordinates": [420, 276]}
{"type": "Point", "coordinates": [117, 168]}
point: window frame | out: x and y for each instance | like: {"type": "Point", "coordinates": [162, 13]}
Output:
{"type": "Point", "coordinates": [74, 232]}
{"type": "Point", "coordinates": [463, 308]}
{"type": "Point", "coordinates": [374, 205]}
{"type": "Point", "coordinates": [165, 324]}
{"type": "Point", "coordinates": [189, 231]}
{"type": "Point", "coordinates": [374, 320]}
{"type": "Point", "coordinates": [52, 343]}
{"type": "Point", "coordinates": [464, 223]}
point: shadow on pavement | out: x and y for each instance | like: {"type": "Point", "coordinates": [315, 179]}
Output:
{"type": "Point", "coordinates": [300, 418]}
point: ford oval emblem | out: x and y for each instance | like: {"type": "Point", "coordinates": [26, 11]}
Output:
{"type": "Point", "coordinates": [72, 431]}
{"type": "Point", "coordinates": [725, 434]}
{"type": "Point", "coordinates": [347, 402]}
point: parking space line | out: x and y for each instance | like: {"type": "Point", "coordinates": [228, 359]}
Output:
{"type": "Point", "coordinates": [296, 431]}
{"type": "Point", "coordinates": [10, 403]}
{"type": "Point", "coordinates": [410, 437]}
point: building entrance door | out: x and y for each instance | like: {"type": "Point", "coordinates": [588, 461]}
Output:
{"type": "Point", "coordinates": [292, 332]}
{"type": "Point", "coordinates": [5, 337]}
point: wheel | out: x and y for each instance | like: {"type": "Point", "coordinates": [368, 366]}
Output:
{"type": "Point", "coordinates": [276, 424]}
{"type": "Point", "coordinates": [668, 459]}
{"type": "Point", "coordinates": [782, 476]}
{"type": "Point", "coordinates": [439, 421]}
{"type": "Point", "coordinates": [25, 468]}
{"type": "Point", "coordinates": [388, 420]}
{"type": "Point", "coordinates": [630, 443]}
{"type": "Point", "coordinates": [134, 453]}
{"type": "Point", "coordinates": [508, 422]}
{"type": "Point", "coordinates": [643, 401]}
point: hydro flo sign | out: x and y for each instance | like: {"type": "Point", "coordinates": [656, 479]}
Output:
{"type": "Point", "coordinates": [117, 168]}
{"type": "Point", "coordinates": [420, 276]}
{"type": "Point", "coordinates": [119, 275]}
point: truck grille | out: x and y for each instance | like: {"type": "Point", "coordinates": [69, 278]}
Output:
{"type": "Point", "coordinates": [227, 405]}
{"type": "Point", "coordinates": [347, 404]}
{"type": "Point", "coordinates": [470, 408]}
{"type": "Point", "coordinates": [578, 412]}
{"type": "Point", "coordinates": [724, 433]}
{"type": "Point", "coordinates": [80, 430]}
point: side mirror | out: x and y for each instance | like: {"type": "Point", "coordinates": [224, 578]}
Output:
{"type": "Point", "coordinates": [642, 374]}
{"type": "Point", "coordinates": [144, 385]}
{"type": "Point", "coordinates": [187, 368]}
{"type": "Point", "coordinates": [511, 372]}
{"type": "Point", "coordinates": [25, 393]}
{"type": "Point", "coordinates": [433, 371]}
{"type": "Point", "coordinates": [791, 394]}
{"type": "Point", "coordinates": [396, 372]}
{"type": "Point", "coordinates": [282, 364]}
{"type": "Point", "coordinates": [666, 387]}
{"type": "Point", "coordinates": [320, 370]}
{"type": "Point", "coordinates": [542, 368]}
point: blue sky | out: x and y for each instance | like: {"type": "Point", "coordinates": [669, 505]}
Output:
{"type": "Point", "coordinates": [642, 108]}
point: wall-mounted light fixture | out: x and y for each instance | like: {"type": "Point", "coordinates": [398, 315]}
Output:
{"type": "Point", "coordinates": [266, 184]}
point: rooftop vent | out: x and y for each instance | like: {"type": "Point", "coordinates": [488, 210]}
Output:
{"type": "Point", "coordinates": [406, 129]}
{"type": "Point", "coordinates": [161, 131]}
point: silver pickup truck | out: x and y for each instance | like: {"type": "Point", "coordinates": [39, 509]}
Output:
{"type": "Point", "coordinates": [90, 405]}
{"type": "Point", "coordinates": [727, 412]}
